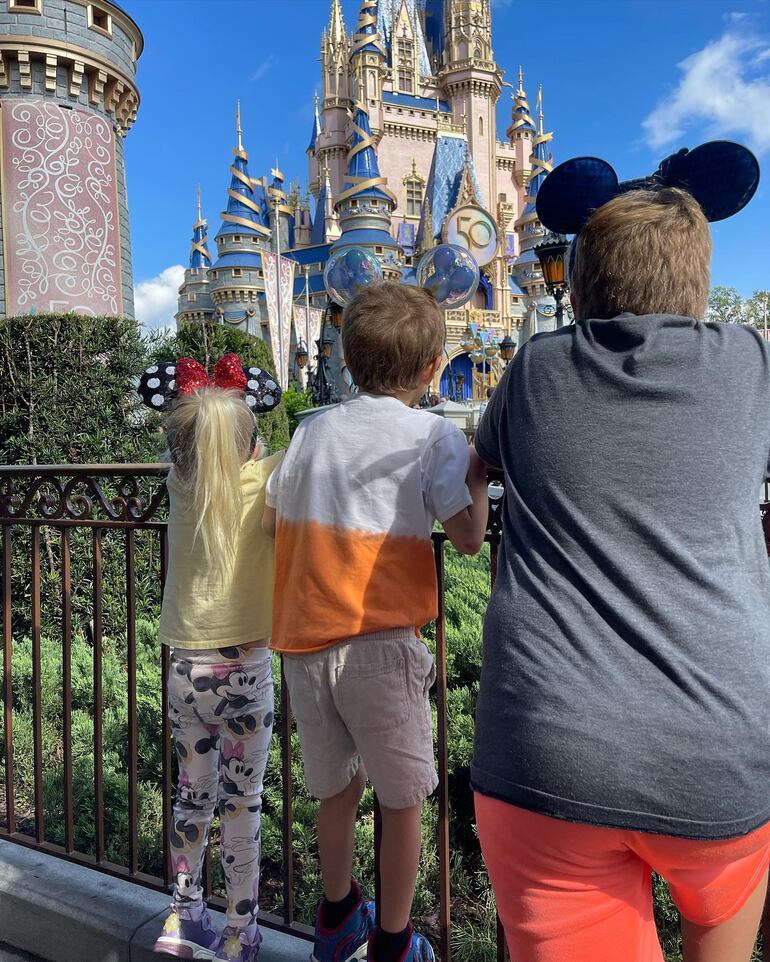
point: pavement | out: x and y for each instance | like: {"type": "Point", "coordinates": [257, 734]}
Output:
{"type": "Point", "coordinates": [57, 911]}
{"type": "Point", "coordinates": [9, 954]}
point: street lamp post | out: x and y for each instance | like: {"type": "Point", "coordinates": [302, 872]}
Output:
{"type": "Point", "coordinates": [552, 254]}
{"type": "Point", "coordinates": [507, 349]}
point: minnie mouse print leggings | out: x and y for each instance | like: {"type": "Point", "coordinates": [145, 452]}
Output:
{"type": "Point", "coordinates": [221, 712]}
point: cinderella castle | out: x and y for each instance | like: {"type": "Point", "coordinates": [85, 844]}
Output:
{"type": "Point", "coordinates": [403, 154]}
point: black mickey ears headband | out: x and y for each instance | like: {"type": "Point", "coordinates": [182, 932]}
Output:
{"type": "Point", "coordinates": [720, 175]}
{"type": "Point", "coordinates": [161, 383]}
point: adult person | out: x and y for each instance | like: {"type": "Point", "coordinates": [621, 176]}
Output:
{"type": "Point", "coordinates": [623, 721]}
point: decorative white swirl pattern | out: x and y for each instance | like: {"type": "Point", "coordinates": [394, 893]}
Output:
{"type": "Point", "coordinates": [60, 216]}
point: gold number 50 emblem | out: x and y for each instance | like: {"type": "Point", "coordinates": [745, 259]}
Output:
{"type": "Point", "coordinates": [474, 229]}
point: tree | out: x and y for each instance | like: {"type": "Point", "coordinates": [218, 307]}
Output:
{"type": "Point", "coordinates": [207, 342]}
{"type": "Point", "coordinates": [67, 391]}
{"type": "Point", "coordinates": [757, 309]}
{"type": "Point", "coordinates": [725, 305]}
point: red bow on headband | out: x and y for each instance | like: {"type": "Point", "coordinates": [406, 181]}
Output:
{"type": "Point", "coordinates": [227, 373]}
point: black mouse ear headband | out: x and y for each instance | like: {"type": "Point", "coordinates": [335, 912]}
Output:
{"type": "Point", "coordinates": [720, 175]}
{"type": "Point", "coordinates": [161, 383]}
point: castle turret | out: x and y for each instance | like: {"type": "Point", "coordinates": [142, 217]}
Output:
{"type": "Point", "coordinates": [236, 280]}
{"type": "Point", "coordinates": [69, 97]}
{"type": "Point", "coordinates": [313, 150]}
{"type": "Point", "coordinates": [473, 82]}
{"type": "Point", "coordinates": [367, 61]}
{"type": "Point", "coordinates": [195, 302]}
{"type": "Point", "coordinates": [526, 270]}
{"type": "Point", "coordinates": [280, 211]}
{"type": "Point", "coordinates": [326, 225]}
{"type": "Point", "coordinates": [365, 205]}
{"type": "Point", "coordinates": [335, 72]}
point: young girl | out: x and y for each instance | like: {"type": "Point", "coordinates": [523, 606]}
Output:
{"type": "Point", "coordinates": [216, 615]}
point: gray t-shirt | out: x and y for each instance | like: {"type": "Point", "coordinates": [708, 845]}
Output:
{"type": "Point", "coordinates": [626, 671]}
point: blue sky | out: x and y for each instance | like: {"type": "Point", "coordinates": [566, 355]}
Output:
{"type": "Point", "coordinates": [628, 80]}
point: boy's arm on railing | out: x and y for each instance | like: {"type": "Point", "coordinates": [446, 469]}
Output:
{"type": "Point", "coordinates": [467, 528]}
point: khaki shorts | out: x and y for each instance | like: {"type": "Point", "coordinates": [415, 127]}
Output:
{"type": "Point", "coordinates": [366, 700]}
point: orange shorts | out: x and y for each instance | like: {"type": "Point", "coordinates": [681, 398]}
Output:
{"type": "Point", "coordinates": [583, 893]}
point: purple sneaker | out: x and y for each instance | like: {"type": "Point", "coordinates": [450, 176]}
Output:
{"type": "Point", "coordinates": [348, 941]}
{"type": "Point", "coordinates": [187, 934]}
{"type": "Point", "coordinates": [238, 945]}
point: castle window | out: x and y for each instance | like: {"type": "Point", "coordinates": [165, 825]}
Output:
{"type": "Point", "coordinates": [481, 126]}
{"type": "Point", "coordinates": [404, 49]}
{"type": "Point", "coordinates": [405, 80]}
{"type": "Point", "coordinates": [237, 272]}
{"type": "Point", "coordinates": [414, 185]}
{"type": "Point", "coordinates": [378, 250]}
{"type": "Point", "coordinates": [213, 274]}
{"type": "Point", "coordinates": [236, 238]}
{"type": "Point", "coordinates": [99, 19]}
{"type": "Point", "coordinates": [191, 297]}
{"type": "Point", "coordinates": [25, 6]}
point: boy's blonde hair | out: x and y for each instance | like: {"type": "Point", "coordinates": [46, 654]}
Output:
{"type": "Point", "coordinates": [390, 333]}
{"type": "Point", "coordinates": [209, 435]}
{"type": "Point", "coordinates": [645, 252]}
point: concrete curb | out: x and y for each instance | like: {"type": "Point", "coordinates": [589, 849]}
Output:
{"type": "Point", "coordinates": [64, 912]}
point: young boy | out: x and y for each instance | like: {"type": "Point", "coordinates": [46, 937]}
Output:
{"type": "Point", "coordinates": [353, 506]}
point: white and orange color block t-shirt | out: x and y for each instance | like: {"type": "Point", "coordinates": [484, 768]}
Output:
{"type": "Point", "coordinates": [356, 497]}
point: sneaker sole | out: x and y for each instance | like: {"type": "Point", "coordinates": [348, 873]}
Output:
{"type": "Point", "coordinates": [182, 950]}
{"type": "Point", "coordinates": [359, 954]}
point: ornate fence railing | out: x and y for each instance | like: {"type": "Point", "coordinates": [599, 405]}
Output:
{"type": "Point", "coordinates": [73, 539]}
{"type": "Point", "coordinates": [71, 535]}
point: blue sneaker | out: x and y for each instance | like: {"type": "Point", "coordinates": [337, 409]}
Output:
{"type": "Point", "coordinates": [348, 941]}
{"type": "Point", "coordinates": [188, 934]}
{"type": "Point", "coordinates": [418, 949]}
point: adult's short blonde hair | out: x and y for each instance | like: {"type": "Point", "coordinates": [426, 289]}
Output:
{"type": "Point", "coordinates": [644, 252]}
{"type": "Point", "coordinates": [390, 333]}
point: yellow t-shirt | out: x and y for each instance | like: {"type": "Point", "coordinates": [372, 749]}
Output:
{"type": "Point", "coordinates": [202, 609]}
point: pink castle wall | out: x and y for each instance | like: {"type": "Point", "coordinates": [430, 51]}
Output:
{"type": "Point", "coordinates": [60, 213]}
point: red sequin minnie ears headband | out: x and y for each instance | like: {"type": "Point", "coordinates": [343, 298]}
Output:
{"type": "Point", "coordinates": [161, 383]}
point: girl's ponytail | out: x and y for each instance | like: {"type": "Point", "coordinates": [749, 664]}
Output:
{"type": "Point", "coordinates": [209, 433]}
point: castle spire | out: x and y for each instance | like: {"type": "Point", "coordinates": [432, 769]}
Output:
{"type": "Point", "coordinates": [541, 159]}
{"type": "Point", "coordinates": [540, 109]}
{"type": "Point", "coordinates": [522, 124]}
{"type": "Point", "coordinates": [244, 213]}
{"type": "Point", "coordinates": [337, 31]}
{"type": "Point", "coordinates": [367, 39]}
{"type": "Point", "coordinates": [316, 125]}
{"type": "Point", "coordinates": [199, 252]}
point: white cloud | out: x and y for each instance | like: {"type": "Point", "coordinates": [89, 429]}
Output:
{"type": "Point", "coordinates": [722, 93]}
{"type": "Point", "coordinates": [263, 68]}
{"type": "Point", "coordinates": [155, 300]}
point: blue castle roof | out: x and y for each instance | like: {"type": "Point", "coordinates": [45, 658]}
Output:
{"type": "Point", "coordinates": [318, 231]}
{"type": "Point", "coordinates": [446, 173]}
{"type": "Point", "coordinates": [316, 132]}
{"type": "Point", "coordinates": [366, 39]}
{"type": "Point", "coordinates": [245, 212]}
{"type": "Point", "coordinates": [362, 162]}
{"type": "Point", "coordinates": [387, 10]}
{"type": "Point", "coordinates": [434, 27]}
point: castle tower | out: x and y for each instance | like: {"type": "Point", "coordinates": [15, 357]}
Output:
{"type": "Point", "coordinates": [527, 271]}
{"type": "Point", "coordinates": [365, 205]}
{"type": "Point", "coordinates": [314, 184]}
{"type": "Point", "coordinates": [367, 62]}
{"type": "Point", "coordinates": [280, 213]}
{"type": "Point", "coordinates": [195, 302]}
{"type": "Point", "coordinates": [67, 70]}
{"type": "Point", "coordinates": [235, 279]}
{"type": "Point", "coordinates": [473, 82]}
{"type": "Point", "coordinates": [337, 96]}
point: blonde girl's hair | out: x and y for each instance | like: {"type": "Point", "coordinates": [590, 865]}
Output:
{"type": "Point", "coordinates": [209, 435]}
